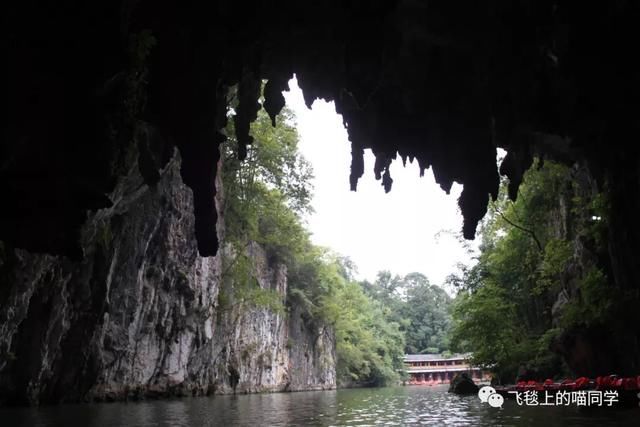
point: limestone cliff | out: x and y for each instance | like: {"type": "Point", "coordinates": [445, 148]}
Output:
{"type": "Point", "coordinates": [603, 337]}
{"type": "Point", "coordinates": [138, 316]}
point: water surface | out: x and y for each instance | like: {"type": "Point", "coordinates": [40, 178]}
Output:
{"type": "Point", "coordinates": [393, 406]}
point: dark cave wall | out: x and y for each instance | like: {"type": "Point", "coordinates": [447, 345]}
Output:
{"type": "Point", "coordinates": [139, 316]}
{"type": "Point", "coordinates": [441, 81]}
{"type": "Point", "coordinates": [56, 150]}
{"type": "Point", "coordinates": [592, 344]}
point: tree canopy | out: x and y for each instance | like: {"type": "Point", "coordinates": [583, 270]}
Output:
{"type": "Point", "coordinates": [421, 308]}
{"type": "Point", "coordinates": [508, 310]}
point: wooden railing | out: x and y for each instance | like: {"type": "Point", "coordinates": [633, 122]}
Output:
{"type": "Point", "coordinates": [410, 367]}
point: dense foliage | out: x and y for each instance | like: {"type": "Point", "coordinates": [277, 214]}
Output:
{"type": "Point", "coordinates": [530, 284]}
{"type": "Point", "coordinates": [262, 198]}
{"type": "Point", "coordinates": [369, 343]}
{"type": "Point", "coordinates": [422, 309]}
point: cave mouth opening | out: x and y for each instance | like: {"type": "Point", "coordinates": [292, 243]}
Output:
{"type": "Point", "coordinates": [535, 77]}
{"type": "Point", "coordinates": [414, 227]}
{"type": "Point", "coordinates": [538, 262]}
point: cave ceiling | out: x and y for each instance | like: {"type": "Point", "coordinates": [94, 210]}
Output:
{"type": "Point", "coordinates": [442, 82]}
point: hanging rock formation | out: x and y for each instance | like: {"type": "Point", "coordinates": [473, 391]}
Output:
{"type": "Point", "coordinates": [439, 81]}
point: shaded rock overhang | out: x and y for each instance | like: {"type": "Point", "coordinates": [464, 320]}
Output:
{"type": "Point", "coordinates": [442, 82]}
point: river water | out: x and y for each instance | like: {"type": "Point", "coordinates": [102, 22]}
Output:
{"type": "Point", "coordinates": [398, 406]}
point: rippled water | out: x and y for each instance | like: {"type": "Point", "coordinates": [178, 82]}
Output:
{"type": "Point", "coordinates": [395, 406]}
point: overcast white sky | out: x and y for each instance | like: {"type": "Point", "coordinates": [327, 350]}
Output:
{"type": "Point", "coordinates": [394, 231]}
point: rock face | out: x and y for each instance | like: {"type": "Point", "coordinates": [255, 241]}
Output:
{"type": "Point", "coordinates": [610, 343]}
{"type": "Point", "coordinates": [463, 384]}
{"type": "Point", "coordinates": [139, 315]}
{"type": "Point", "coordinates": [313, 350]}
{"type": "Point", "coordinates": [435, 82]}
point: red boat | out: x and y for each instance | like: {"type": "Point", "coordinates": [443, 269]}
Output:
{"type": "Point", "coordinates": [626, 390]}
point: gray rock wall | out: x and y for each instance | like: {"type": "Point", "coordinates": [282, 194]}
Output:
{"type": "Point", "coordinates": [138, 317]}
{"type": "Point", "coordinates": [611, 343]}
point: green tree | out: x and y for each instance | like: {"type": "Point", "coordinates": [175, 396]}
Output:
{"type": "Point", "coordinates": [503, 311]}
{"type": "Point", "coordinates": [420, 308]}
{"type": "Point", "coordinates": [369, 343]}
{"type": "Point", "coordinates": [427, 309]}
{"type": "Point", "coordinates": [265, 194]}
{"type": "Point", "coordinates": [264, 197]}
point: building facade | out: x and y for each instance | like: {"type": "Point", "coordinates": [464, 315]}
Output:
{"type": "Point", "coordinates": [434, 369]}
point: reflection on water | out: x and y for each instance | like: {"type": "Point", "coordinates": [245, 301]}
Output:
{"type": "Point", "coordinates": [399, 406]}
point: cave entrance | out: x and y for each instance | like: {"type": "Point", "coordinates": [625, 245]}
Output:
{"type": "Point", "coordinates": [414, 227]}
{"type": "Point", "coordinates": [401, 284]}
{"type": "Point", "coordinates": [366, 272]}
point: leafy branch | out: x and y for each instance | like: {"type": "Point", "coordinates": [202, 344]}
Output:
{"type": "Point", "coordinates": [520, 227]}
